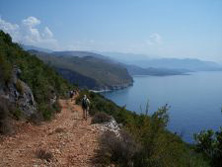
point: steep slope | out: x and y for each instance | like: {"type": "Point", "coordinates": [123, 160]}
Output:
{"type": "Point", "coordinates": [88, 71]}
{"type": "Point", "coordinates": [23, 75]}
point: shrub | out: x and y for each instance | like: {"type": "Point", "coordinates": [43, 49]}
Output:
{"type": "Point", "coordinates": [36, 118]}
{"type": "Point", "coordinates": [210, 144]}
{"type": "Point", "coordinates": [5, 69]}
{"type": "Point", "coordinates": [43, 154]}
{"type": "Point", "coordinates": [118, 150]}
{"type": "Point", "coordinates": [5, 127]}
{"type": "Point", "coordinates": [17, 113]}
{"type": "Point", "coordinates": [47, 114]}
{"type": "Point", "coordinates": [46, 110]}
{"type": "Point", "coordinates": [57, 106]}
{"type": "Point", "coordinates": [101, 117]}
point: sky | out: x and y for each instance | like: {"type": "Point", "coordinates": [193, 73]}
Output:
{"type": "Point", "coordinates": [156, 28]}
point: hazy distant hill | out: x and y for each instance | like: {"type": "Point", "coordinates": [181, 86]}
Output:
{"type": "Point", "coordinates": [169, 65]}
{"type": "Point", "coordinates": [31, 47]}
{"type": "Point", "coordinates": [132, 69]}
{"type": "Point", "coordinates": [79, 54]}
{"type": "Point", "coordinates": [87, 71]}
{"type": "Point", "coordinates": [189, 64]}
{"type": "Point", "coordinates": [127, 58]}
{"type": "Point", "coordinates": [136, 70]}
{"type": "Point", "coordinates": [164, 63]}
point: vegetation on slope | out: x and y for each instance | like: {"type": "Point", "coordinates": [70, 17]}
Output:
{"type": "Point", "coordinates": [42, 79]}
{"type": "Point", "coordinates": [147, 144]}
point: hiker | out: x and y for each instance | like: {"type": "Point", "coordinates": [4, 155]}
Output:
{"type": "Point", "coordinates": [71, 94]}
{"type": "Point", "coordinates": [85, 106]}
{"type": "Point", "coordinates": [74, 92]}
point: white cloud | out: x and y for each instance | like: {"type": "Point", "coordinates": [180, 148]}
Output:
{"type": "Point", "coordinates": [155, 39]}
{"type": "Point", "coordinates": [28, 33]}
{"type": "Point", "coordinates": [12, 29]}
{"type": "Point", "coordinates": [47, 33]}
{"type": "Point", "coordinates": [31, 21]}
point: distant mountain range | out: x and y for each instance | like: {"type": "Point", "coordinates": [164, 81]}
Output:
{"type": "Point", "coordinates": [186, 64]}
{"type": "Point", "coordinates": [136, 70]}
{"type": "Point", "coordinates": [31, 47]}
{"type": "Point", "coordinates": [100, 71]}
{"type": "Point", "coordinates": [164, 63]}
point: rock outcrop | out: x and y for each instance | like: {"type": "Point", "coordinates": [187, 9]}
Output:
{"type": "Point", "coordinates": [111, 126]}
{"type": "Point", "coordinates": [19, 94]}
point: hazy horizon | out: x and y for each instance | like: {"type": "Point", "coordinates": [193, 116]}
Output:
{"type": "Point", "coordinates": [159, 29]}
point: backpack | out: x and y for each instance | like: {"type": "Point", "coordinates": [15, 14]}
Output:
{"type": "Point", "coordinates": [84, 103]}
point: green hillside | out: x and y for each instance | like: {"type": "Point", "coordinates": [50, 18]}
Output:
{"type": "Point", "coordinates": [100, 73]}
{"type": "Point", "coordinates": [42, 79]}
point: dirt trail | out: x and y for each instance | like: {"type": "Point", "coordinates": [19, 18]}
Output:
{"type": "Point", "coordinates": [71, 141]}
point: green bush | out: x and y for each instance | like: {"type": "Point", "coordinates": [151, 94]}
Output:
{"type": "Point", "coordinates": [210, 144]}
{"type": "Point", "coordinates": [57, 107]}
{"type": "Point", "coordinates": [47, 111]}
{"type": "Point", "coordinates": [5, 126]}
{"type": "Point", "coordinates": [17, 113]}
{"type": "Point", "coordinates": [5, 69]}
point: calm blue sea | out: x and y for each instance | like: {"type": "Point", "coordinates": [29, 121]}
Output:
{"type": "Point", "coordinates": [195, 100]}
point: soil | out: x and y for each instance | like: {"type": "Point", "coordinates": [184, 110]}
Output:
{"type": "Point", "coordinates": [67, 140]}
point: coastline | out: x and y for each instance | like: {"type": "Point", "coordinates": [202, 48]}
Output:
{"type": "Point", "coordinates": [112, 88]}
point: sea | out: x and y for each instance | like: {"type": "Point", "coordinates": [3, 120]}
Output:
{"type": "Point", "coordinates": [195, 100]}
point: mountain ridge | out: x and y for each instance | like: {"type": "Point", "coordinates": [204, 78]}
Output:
{"type": "Point", "coordinates": [88, 71]}
{"type": "Point", "coordinates": [144, 61]}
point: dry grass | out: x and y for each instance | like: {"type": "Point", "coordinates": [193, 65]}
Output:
{"type": "Point", "coordinates": [117, 150]}
{"type": "Point", "coordinates": [101, 117]}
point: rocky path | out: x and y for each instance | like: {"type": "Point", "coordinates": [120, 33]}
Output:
{"type": "Point", "coordinates": [68, 139]}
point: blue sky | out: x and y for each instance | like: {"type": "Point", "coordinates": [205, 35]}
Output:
{"type": "Point", "coordinates": [158, 28]}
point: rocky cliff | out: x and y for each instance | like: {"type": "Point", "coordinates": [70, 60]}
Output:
{"type": "Point", "coordinates": [19, 94]}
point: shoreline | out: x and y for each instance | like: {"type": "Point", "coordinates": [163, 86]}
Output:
{"type": "Point", "coordinates": [113, 88]}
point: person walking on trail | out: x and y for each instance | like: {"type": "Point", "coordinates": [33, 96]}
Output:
{"type": "Point", "coordinates": [85, 106]}
{"type": "Point", "coordinates": [71, 94]}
